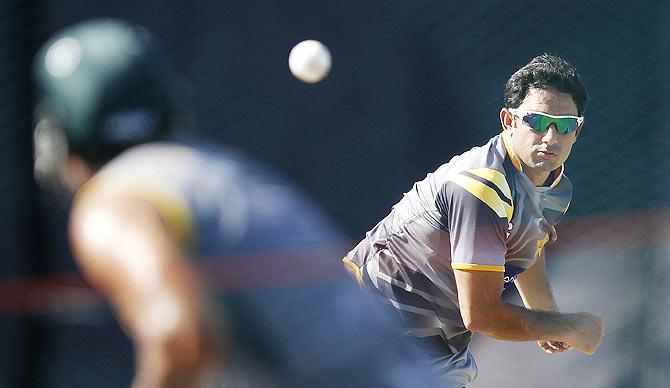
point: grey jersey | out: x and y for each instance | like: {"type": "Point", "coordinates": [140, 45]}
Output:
{"type": "Point", "coordinates": [476, 212]}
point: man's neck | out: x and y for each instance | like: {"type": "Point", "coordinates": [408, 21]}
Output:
{"type": "Point", "coordinates": [540, 178]}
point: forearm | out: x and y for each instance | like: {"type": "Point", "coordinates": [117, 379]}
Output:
{"type": "Point", "coordinates": [534, 288]}
{"type": "Point", "coordinates": [169, 307]}
{"type": "Point", "coordinates": [536, 294]}
{"type": "Point", "coordinates": [482, 310]}
{"type": "Point", "coordinates": [515, 323]}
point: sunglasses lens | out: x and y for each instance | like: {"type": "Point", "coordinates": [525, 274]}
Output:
{"type": "Point", "coordinates": [565, 125]}
{"type": "Point", "coordinates": [537, 122]}
{"type": "Point", "coordinates": [540, 123]}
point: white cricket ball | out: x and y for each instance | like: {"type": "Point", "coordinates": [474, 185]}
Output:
{"type": "Point", "coordinates": [310, 61]}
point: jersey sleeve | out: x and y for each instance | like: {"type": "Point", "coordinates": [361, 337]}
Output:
{"type": "Point", "coordinates": [476, 205]}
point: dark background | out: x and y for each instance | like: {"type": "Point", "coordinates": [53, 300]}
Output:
{"type": "Point", "coordinates": [412, 84]}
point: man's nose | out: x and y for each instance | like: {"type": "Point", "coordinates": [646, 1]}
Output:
{"type": "Point", "coordinates": [551, 135]}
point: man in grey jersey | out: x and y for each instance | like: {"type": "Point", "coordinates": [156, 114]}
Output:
{"type": "Point", "coordinates": [479, 223]}
{"type": "Point", "coordinates": [150, 210]}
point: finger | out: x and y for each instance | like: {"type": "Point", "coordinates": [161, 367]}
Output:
{"type": "Point", "coordinates": [556, 347]}
{"type": "Point", "coordinates": [550, 230]}
{"type": "Point", "coordinates": [553, 236]}
{"type": "Point", "coordinates": [546, 347]}
{"type": "Point", "coordinates": [557, 350]}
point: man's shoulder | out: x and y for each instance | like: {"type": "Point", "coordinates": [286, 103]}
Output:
{"type": "Point", "coordinates": [490, 155]}
{"type": "Point", "coordinates": [485, 160]}
{"type": "Point", "coordinates": [482, 174]}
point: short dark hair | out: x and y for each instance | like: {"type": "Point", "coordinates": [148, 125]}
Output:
{"type": "Point", "coordinates": [546, 72]}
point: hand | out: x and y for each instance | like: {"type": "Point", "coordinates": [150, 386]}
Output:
{"type": "Point", "coordinates": [550, 230]}
{"type": "Point", "coordinates": [553, 347]}
{"type": "Point", "coordinates": [588, 333]}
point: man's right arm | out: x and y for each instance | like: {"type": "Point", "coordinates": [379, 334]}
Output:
{"type": "Point", "coordinates": [482, 309]}
{"type": "Point", "coordinates": [126, 250]}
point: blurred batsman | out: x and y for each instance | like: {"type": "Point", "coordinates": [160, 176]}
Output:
{"type": "Point", "coordinates": [479, 223]}
{"type": "Point", "coordinates": [150, 210]}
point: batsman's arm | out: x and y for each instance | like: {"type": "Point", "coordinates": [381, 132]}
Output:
{"type": "Point", "coordinates": [125, 249]}
{"type": "Point", "coordinates": [482, 309]}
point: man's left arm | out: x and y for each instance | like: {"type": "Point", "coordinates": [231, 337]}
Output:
{"type": "Point", "coordinates": [536, 294]}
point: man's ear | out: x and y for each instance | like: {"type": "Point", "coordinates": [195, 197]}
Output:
{"type": "Point", "coordinates": [506, 119]}
{"type": "Point", "coordinates": [578, 131]}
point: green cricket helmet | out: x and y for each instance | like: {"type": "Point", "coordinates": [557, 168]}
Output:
{"type": "Point", "coordinates": [101, 86]}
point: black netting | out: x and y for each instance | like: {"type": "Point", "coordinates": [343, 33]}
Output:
{"type": "Point", "coordinates": [413, 83]}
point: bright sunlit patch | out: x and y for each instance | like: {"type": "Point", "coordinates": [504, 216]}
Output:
{"type": "Point", "coordinates": [134, 254]}
{"type": "Point", "coordinates": [63, 57]}
{"type": "Point", "coordinates": [163, 317]}
{"type": "Point", "coordinates": [98, 227]}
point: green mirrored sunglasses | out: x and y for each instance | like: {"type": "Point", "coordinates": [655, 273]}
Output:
{"type": "Point", "coordinates": [540, 122]}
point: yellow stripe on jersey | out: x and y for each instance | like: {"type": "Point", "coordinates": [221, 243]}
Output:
{"type": "Point", "coordinates": [174, 211]}
{"type": "Point", "coordinates": [495, 177]}
{"type": "Point", "coordinates": [515, 159]}
{"type": "Point", "coordinates": [559, 174]}
{"type": "Point", "coordinates": [353, 268]}
{"type": "Point", "coordinates": [478, 267]}
{"type": "Point", "coordinates": [540, 245]}
{"type": "Point", "coordinates": [485, 194]}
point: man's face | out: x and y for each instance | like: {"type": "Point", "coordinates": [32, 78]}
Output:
{"type": "Point", "coordinates": [540, 153]}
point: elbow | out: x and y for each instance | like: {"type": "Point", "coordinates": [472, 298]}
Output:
{"type": "Point", "coordinates": [476, 321]}
{"type": "Point", "coordinates": [473, 325]}
{"type": "Point", "coordinates": [185, 346]}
